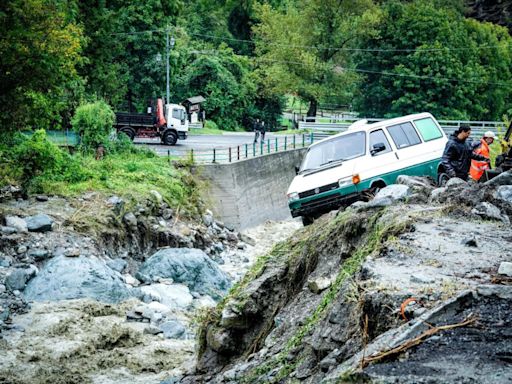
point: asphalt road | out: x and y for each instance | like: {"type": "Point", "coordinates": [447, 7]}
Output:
{"type": "Point", "coordinates": [203, 142]}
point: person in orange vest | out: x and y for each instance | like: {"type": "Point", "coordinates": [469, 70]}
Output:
{"type": "Point", "coordinates": [478, 167]}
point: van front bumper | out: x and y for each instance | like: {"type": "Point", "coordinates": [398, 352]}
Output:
{"type": "Point", "coordinates": [321, 203]}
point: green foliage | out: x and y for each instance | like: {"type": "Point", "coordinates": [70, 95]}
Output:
{"type": "Point", "coordinates": [453, 67]}
{"type": "Point", "coordinates": [41, 48]}
{"type": "Point", "coordinates": [311, 65]}
{"type": "Point", "coordinates": [93, 121]}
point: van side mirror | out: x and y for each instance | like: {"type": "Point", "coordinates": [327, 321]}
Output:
{"type": "Point", "coordinates": [376, 148]}
{"type": "Point", "coordinates": [296, 170]}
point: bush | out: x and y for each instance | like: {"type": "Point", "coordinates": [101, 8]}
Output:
{"type": "Point", "coordinates": [210, 124]}
{"type": "Point", "coordinates": [94, 123]}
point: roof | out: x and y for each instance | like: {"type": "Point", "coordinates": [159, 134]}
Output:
{"type": "Point", "coordinates": [195, 99]}
{"type": "Point", "coordinates": [362, 125]}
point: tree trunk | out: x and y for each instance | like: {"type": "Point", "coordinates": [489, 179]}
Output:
{"type": "Point", "coordinates": [313, 104]}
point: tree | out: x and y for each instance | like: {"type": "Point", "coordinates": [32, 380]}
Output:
{"type": "Point", "coordinates": [40, 52]}
{"type": "Point", "coordinates": [429, 58]}
{"type": "Point", "coordinates": [305, 48]}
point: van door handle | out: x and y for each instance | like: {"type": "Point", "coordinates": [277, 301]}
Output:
{"type": "Point", "coordinates": [396, 154]}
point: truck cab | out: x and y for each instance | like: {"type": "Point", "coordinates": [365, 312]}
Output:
{"type": "Point", "coordinates": [176, 118]}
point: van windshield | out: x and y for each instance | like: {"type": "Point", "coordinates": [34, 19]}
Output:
{"type": "Point", "coordinates": [337, 149]}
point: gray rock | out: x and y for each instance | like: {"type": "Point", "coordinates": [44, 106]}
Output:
{"type": "Point", "coordinates": [173, 329]}
{"type": "Point", "coordinates": [39, 223]}
{"type": "Point", "coordinates": [72, 252]}
{"type": "Point", "coordinates": [500, 291]}
{"type": "Point", "coordinates": [469, 242]}
{"type": "Point", "coordinates": [504, 192]}
{"type": "Point", "coordinates": [130, 220]}
{"type": "Point", "coordinates": [191, 267]}
{"type": "Point", "coordinates": [16, 222]}
{"type": "Point", "coordinates": [416, 183]}
{"type": "Point", "coordinates": [167, 213]}
{"type": "Point", "coordinates": [436, 194]}
{"type": "Point", "coordinates": [454, 182]}
{"type": "Point", "coordinates": [79, 277]}
{"type": "Point", "coordinates": [117, 204]}
{"type": "Point", "coordinates": [8, 230]}
{"type": "Point", "coordinates": [5, 262]}
{"type": "Point", "coordinates": [319, 284]}
{"type": "Point", "coordinates": [394, 192]}
{"type": "Point", "coordinates": [17, 279]}
{"type": "Point", "coordinates": [117, 264]}
{"type": "Point", "coordinates": [207, 220]}
{"type": "Point", "coordinates": [218, 247]}
{"type": "Point", "coordinates": [421, 279]}
{"type": "Point", "coordinates": [42, 198]}
{"type": "Point", "coordinates": [505, 269]}
{"type": "Point", "coordinates": [152, 330]}
{"type": "Point", "coordinates": [247, 239]}
{"type": "Point", "coordinates": [171, 380]}
{"type": "Point", "coordinates": [488, 211]}
{"type": "Point", "coordinates": [2, 288]}
{"type": "Point", "coordinates": [504, 178]}
{"type": "Point", "coordinates": [39, 254]}
{"type": "Point", "coordinates": [21, 249]}
{"type": "Point", "coordinates": [175, 296]}
{"type": "Point", "coordinates": [377, 203]}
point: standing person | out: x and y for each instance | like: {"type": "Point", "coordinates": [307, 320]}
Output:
{"type": "Point", "coordinates": [262, 130]}
{"type": "Point", "coordinates": [458, 154]}
{"type": "Point", "coordinates": [478, 167]}
{"type": "Point", "coordinates": [256, 129]}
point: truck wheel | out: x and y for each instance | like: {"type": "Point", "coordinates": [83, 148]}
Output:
{"type": "Point", "coordinates": [128, 131]}
{"type": "Point", "coordinates": [170, 138]}
{"type": "Point", "coordinates": [442, 179]}
{"type": "Point", "coordinates": [307, 220]}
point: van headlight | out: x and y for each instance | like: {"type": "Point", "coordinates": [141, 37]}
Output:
{"type": "Point", "coordinates": [293, 196]}
{"type": "Point", "coordinates": [344, 181]}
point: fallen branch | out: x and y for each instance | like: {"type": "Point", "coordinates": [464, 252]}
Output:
{"type": "Point", "coordinates": [413, 342]}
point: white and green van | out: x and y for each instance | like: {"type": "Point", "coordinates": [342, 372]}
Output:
{"type": "Point", "coordinates": [343, 168]}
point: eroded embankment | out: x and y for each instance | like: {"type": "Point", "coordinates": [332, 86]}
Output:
{"type": "Point", "coordinates": [332, 303]}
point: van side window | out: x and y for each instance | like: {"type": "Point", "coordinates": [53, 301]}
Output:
{"type": "Point", "coordinates": [428, 129]}
{"type": "Point", "coordinates": [404, 135]}
{"type": "Point", "coordinates": [378, 137]}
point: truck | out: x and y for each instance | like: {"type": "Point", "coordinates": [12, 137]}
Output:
{"type": "Point", "coordinates": [169, 123]}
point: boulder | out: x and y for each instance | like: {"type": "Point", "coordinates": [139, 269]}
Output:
{"type": "Point", "coordinates": [174, 296]}
{"type": "Point", "coordinates": [207, 220]}
{"type": "Point", "coordinates": [504, 178]}
{"type": "Point", "coordinates": [173, 329]}
{"type": "Point", "coordinates": [418, 184]}
{"type": "Point", "coordinates": [41, 198]}
{"type": "Point", "coordinates": [39, 254]}
{"type": "Point", "coordinates": [39, 223]}
{"type": "Point", "coordinates": [188, 266]}
{"type": "Point", "coordinates": [130, 220]}
{"type": "Point", "coordinates": [156, 196]}
{"type": "Point", "coordinates": [489, 211]}
{"type": "Point", "coordinates": [454, 182]}
{"type": "Point", "coordinates": [117, 264]}
{"type": "Point", "coordinates": [78, 277]}
{"type": "Point", "coordinates": [504, 192]}
{"type": "Point", "coordinates": [16, 222]}
{"type": "Point", "coordinates": [437, 194]}
{"type": "Point", "coordinates": [18, 278]}
{"type": "Point", "coordinates": [7, 230]}
{"type": "Point", "coordinates": [505, 269]}
{"type": "Point", "coordinates": [394, 192]}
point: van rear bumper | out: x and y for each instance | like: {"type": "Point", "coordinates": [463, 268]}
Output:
{"type": "Point", "coordinates": [323, 204]}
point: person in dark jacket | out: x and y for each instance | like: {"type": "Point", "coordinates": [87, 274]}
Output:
{"type": "Point", "coordinates": [458, 154]}
{"type": "Point", "coordinates": [256, 128]}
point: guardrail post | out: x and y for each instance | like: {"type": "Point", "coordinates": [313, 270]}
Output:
{"type": "Point", "coordinates": [192, 155]}
{"type": "Point", "coordinates": [213, 155]}
{"type": "Point", "coordinates": [294, 141]}
{"type": "Point", "coordinates": [254, 149]}
{"type": "Point", "coordinates": [311, 138]}
{"type": "Point", "coordinates": [285, 140]}
{"type": "Point", "coordinates": [303, 140]}
{"type": "Point", "coordinates": [238, 152]}
{"type": "Point", "coordinates": [230, 154]}
{"type": "Point", "coordinates": [277, 148]}
{"type": "Point", "coordinates": [268, 145]}
{"type": "Point", "coordinates": [261, 147]}
{"type": "Point", "coordinates": [169, 156]}
{"type": "Point", "coordinates": [246, 150]}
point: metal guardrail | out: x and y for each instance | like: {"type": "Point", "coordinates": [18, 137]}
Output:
{"type": "Point", "coordinates": [243, 151]}
{"type": "Point", "coordinates": [321, 130]}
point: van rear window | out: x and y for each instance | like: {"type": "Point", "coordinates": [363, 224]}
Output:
{"type": "Point", "coordinates": [428, 129]}
{"type": "Point", "coordinates": [404, 135]}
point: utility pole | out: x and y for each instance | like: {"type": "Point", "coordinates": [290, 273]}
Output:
{"type": "Point", "coordinates": [169, 43]}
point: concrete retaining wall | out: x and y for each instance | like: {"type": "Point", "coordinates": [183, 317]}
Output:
{"type": "Point", "coordinates": [249, 192]}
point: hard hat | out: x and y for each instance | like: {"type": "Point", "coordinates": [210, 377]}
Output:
{"type": "Point", "coordinates": [489, 134]}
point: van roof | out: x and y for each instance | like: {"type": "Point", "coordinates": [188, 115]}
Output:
{"type": "Point", "coordinates": [379, 124]}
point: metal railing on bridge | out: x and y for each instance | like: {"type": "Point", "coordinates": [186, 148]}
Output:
{"type": "Point", "coordinates": [321, 128]}
{"type": "Point", "coordinates": [242, 151]}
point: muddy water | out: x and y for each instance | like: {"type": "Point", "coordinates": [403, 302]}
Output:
{"type": "Point", "coordinates": [83, 341]}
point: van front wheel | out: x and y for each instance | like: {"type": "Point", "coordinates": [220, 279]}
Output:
{"type": "Point", "coordinates": [307, 220]}
{"type": "Point", "coordinates": [442, 179]}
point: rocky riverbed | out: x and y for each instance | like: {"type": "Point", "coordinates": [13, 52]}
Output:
{"type": "Point", "coordinates": [93, 290]}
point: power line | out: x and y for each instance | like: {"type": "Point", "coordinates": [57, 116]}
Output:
{"type": "Point", "coordinates": [376, 50]}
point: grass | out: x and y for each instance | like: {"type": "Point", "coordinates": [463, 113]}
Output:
{"type": "Point", "coordinates": [206, 131]}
